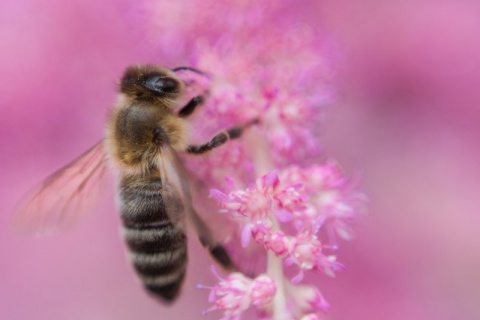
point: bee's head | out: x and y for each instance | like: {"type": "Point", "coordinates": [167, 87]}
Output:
{"type": "Point", "coordinates": [150, 83]}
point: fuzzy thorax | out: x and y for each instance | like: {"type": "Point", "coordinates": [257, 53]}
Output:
{"type": "Point", "coordinates": [138, 131]}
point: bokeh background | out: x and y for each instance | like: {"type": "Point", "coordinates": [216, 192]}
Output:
{"type": "Point", "coordinates": [406, 118]}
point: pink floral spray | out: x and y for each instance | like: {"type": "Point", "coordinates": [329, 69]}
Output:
{"type": "Point", "coordinates": [287, 205]}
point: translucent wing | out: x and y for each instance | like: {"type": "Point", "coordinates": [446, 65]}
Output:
{"type": "Point", "coordinates": [64, 195]}
{"type": "Point", "coordinates": [175, 175]}
{"type": "Point", "coordinates": [175, 191]}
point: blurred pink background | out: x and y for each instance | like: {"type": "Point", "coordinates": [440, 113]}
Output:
{"type": "Point", "coordinates": [407, 117]}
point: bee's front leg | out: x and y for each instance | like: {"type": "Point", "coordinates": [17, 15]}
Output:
{"type": "Point", "coordinates": [221, 138]}
{"type": "Point", "coordinates": [190, 106]}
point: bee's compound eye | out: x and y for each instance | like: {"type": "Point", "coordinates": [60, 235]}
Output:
{"type": "Point", "coordinates": [161, 85]}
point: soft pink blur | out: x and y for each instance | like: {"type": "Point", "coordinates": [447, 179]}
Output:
{"type": "Point", "coordinates": [406, 117]}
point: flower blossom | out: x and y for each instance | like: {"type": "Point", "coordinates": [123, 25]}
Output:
{"type": "Point", "coordinates": [303, 250]}
{"type": "Point", "coordinates": [278, 243]}
{"type": "Point", "coordinates": [262, 290]}
{"type": "Point", "coordinates": [310, 299]}
{"type": "Point", "coordinates": [333, 201]}
{"type": "Point", "coordinates": [254, 206]}
{"type": "Point", "coordinates": [307, 253]}
{"type": "Point", "coordinates": [270, 183]}
{"type": "Point", "coordinates": [266, 208]}
{"type": "Point", "coordinates": [237, 293]}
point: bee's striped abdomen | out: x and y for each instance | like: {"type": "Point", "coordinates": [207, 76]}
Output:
{"type": "Point", "coordinates": [157, 246]}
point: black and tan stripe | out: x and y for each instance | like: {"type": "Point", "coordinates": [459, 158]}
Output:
{"type": "Point", "coordinates": [155, 238]}
{"type": "Point", "coordinates": [162, 273]}
{"type": "Point", "coordinates": [141, 203]}
{"type": "Point", "coordinates": [158, 248]}
{"type": "Point", "coordinates": [168, 290]}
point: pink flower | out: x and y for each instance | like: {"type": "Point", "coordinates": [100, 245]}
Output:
{"type": "Point", "coordinates": [336, 199]}
{"type": "Point", "coordinates": [305, 249]}
{"type": "Point", "coordinates": [333, 203]}
{"type": "Point", "coordinates": [232, 295]}
{"type": "Point", "coordinates": [260, 233]}
{"type": "Point", "coordinates": [272, 72]}
{"type": "Point", "coordinates": [252, 207]}
{"type": "Point", "coordinates": [262, 290]}
{"type": "Point", "coordinates": [290, 197]}
{"type": "Point", "coordinates": [309, 299]}
{"type": "Point", "coordinates": [237, 293]}
{"type": "Point", "coordinates": [277, 242]}
{"type": "Point", "coordinates": [306, 252]}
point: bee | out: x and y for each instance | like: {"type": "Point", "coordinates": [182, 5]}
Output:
{"type": "Point", "coordinates": [143, 140]}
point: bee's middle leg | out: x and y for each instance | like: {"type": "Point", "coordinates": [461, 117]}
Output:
{"type": "Point", "coordinates": [219, 253]}
{"type": "Point", "coordinates": [220, 138]}
{"type": "Point", "coordinates": [207, 240]}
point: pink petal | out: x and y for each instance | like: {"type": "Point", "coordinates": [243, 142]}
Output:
{"type": "Point", "coordinates": [219, 196]}
{"type": "Point", "coordinates": [246, 234]}
{"type": "Point", "coordinates": [283, 215]}
{"type": "Point", "coordinates": [288, 262]}
{"type": "Point", "coordinates": [271, 179]}
{"type": "Point", "coordinates": [211, 296]}
{"type": "Point", "coordinates": [298, 277]}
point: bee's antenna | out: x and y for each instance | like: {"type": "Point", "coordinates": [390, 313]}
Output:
{"type": "Point", "coordinates": [205, 74]}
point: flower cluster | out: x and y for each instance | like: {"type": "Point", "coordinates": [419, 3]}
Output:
{"type": "Point", "coordinates": [237, 293]}
{"type": "Point", "coordinates": [287, 215]}
{"type": "Point", "coordinates": [334, 202]}
{"type": "Point", "coordinates": [288, 208]}
{"type": "Point", "coordinates": [253, 206]}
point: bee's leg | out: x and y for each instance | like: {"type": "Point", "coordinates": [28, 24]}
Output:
{"type": "Point", "coordinates": [206, 239]}
{"type": "Point", "coordinates": [196, 101]}
{"type": "Point", "coordinates": [218, 252]}
{"type": "Point", "coordinates": [190, 106]}
{"type": "Point", "coordinates": [220, 138]}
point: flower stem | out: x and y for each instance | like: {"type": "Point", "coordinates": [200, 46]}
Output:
{"type": "Point", "coordinates": [263, 165]}
{"type": "Point", "coordinates": [275, 272]}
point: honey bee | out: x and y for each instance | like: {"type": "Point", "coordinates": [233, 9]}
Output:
{"type": "Point", "coordinates": [143, 140]}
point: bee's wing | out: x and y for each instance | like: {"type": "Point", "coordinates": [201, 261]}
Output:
{"type": "Point", "coordinates": [174, 191]}
{"type": "Point", "coordinates": [63, 196]}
